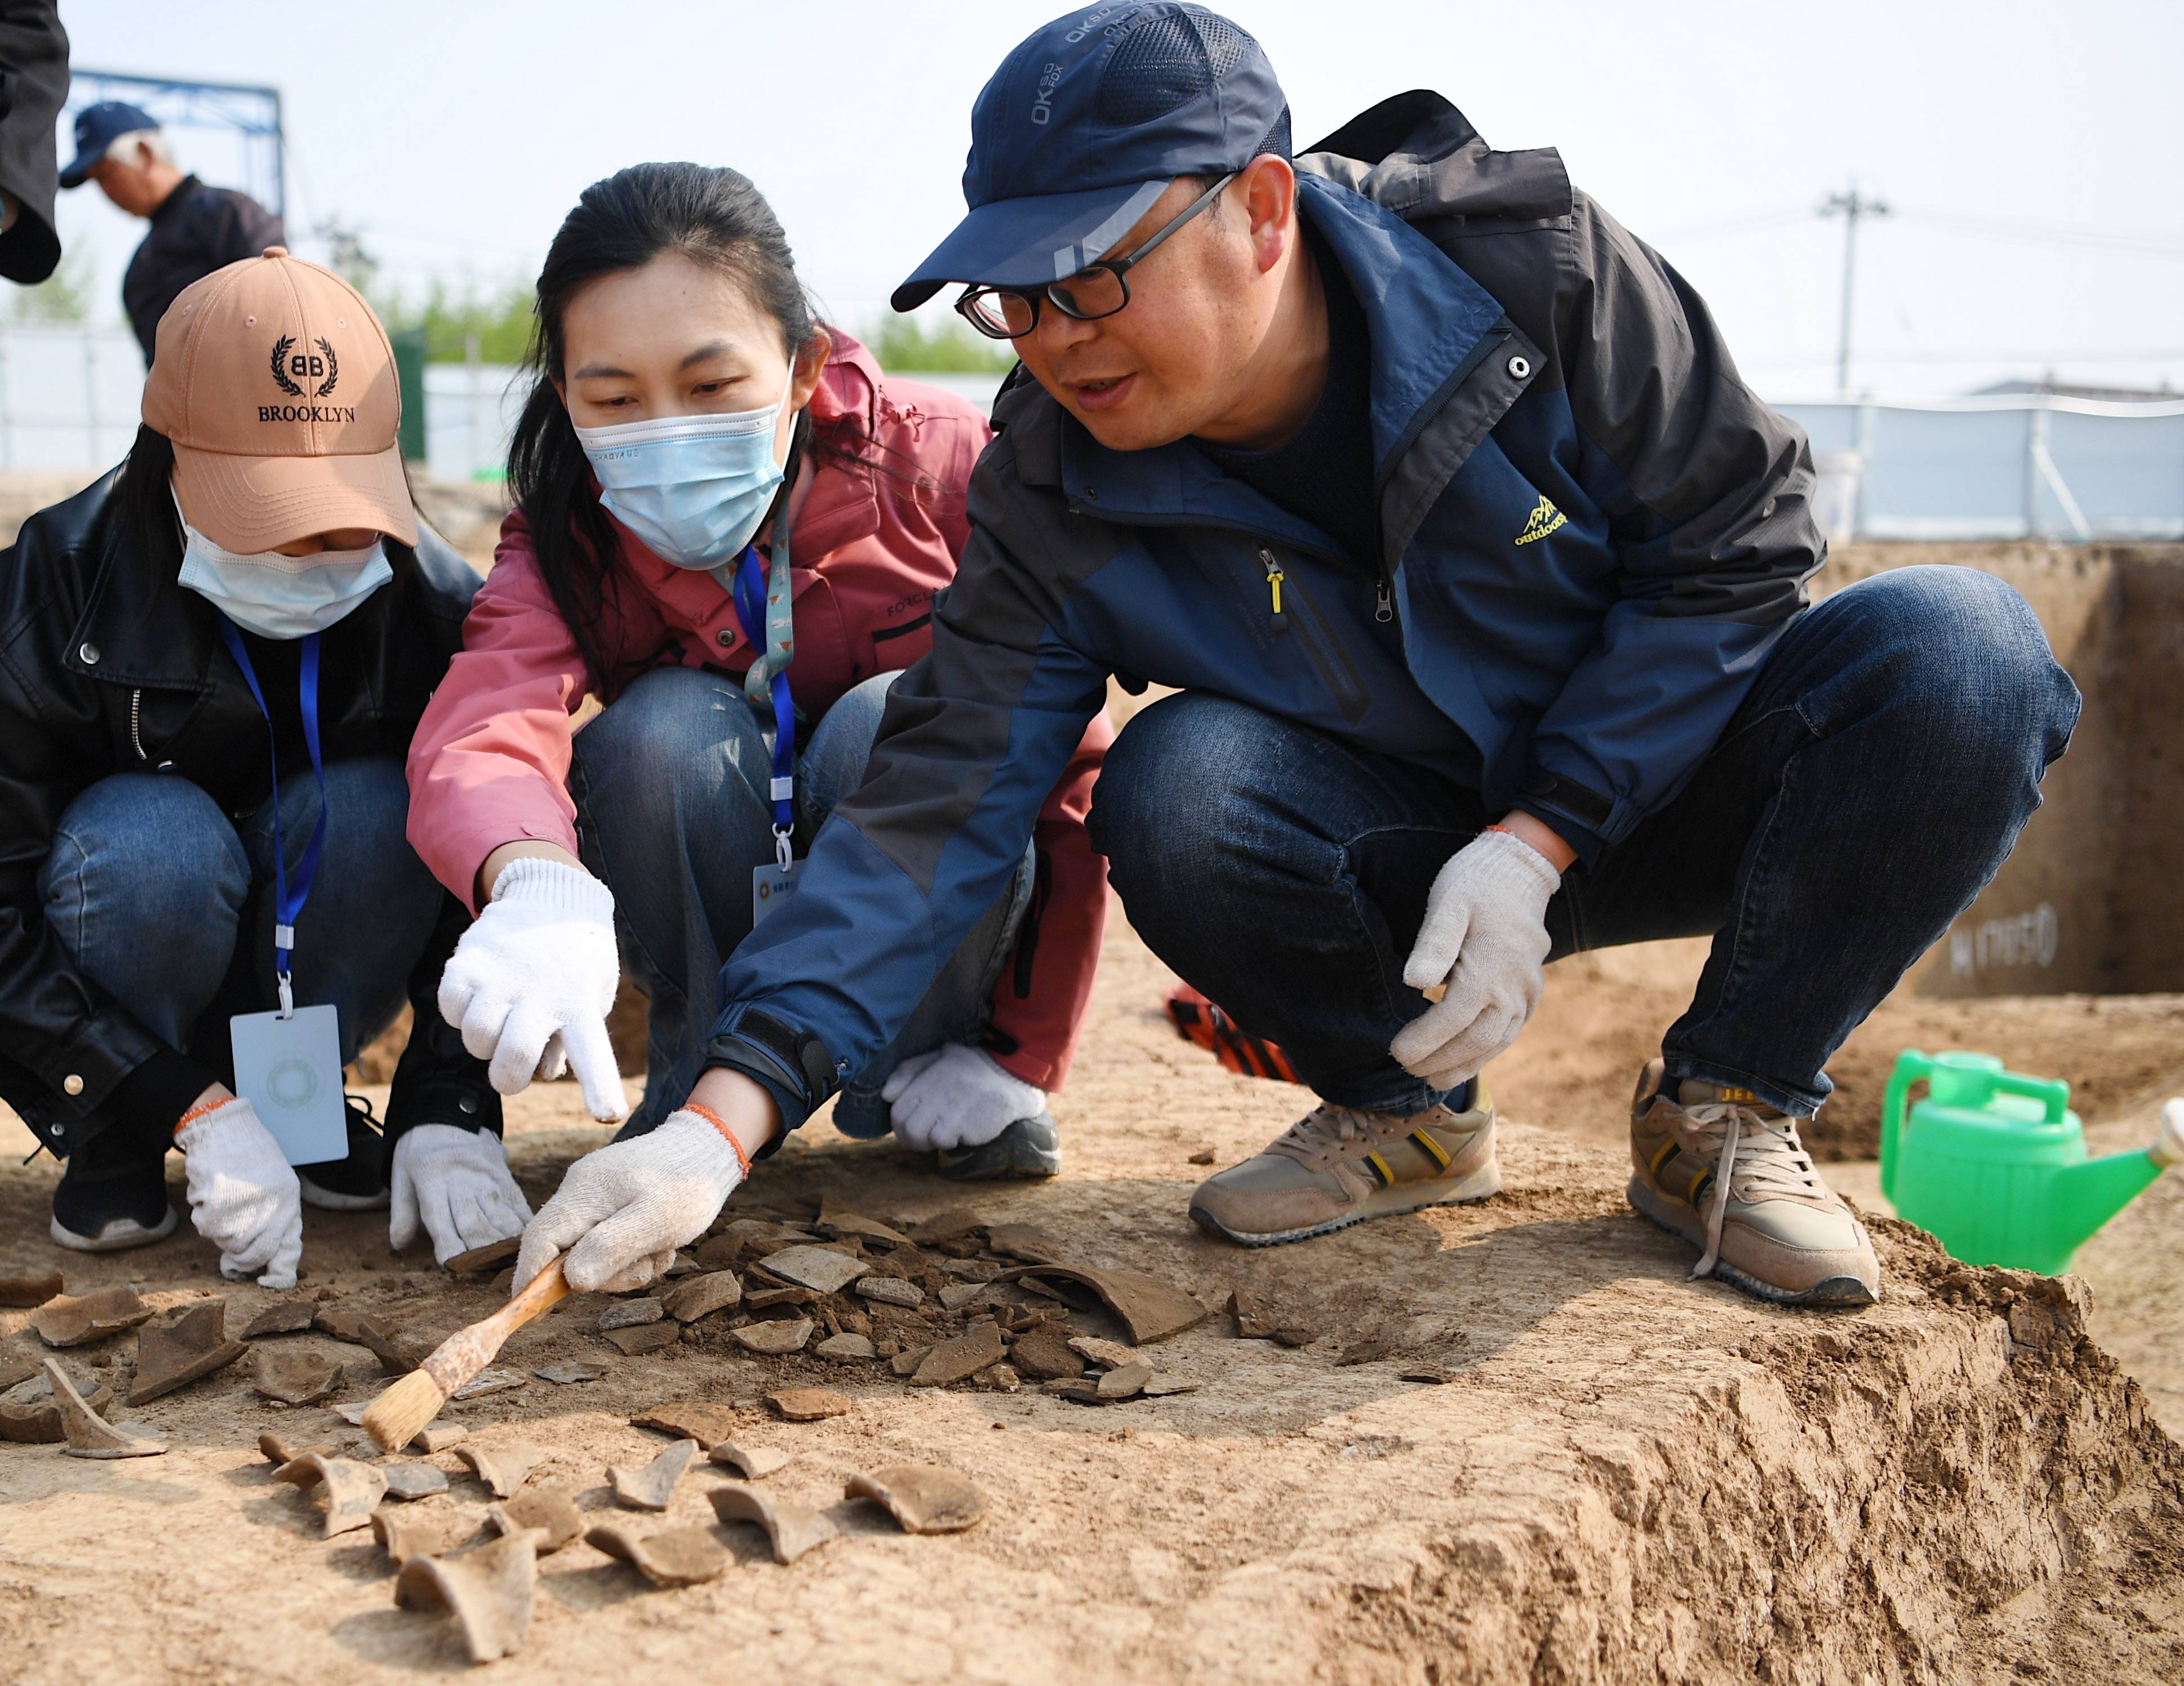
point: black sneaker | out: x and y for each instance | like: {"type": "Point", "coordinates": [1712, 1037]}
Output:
{"type": "Point", "coordinates": [1029, 1148]}
{"type": "Point", "coordinates": [105, 1208]}
{"type": "Point", "coordinates": [357, 1183]}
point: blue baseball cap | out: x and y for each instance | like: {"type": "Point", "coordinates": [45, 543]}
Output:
{"type": "Point", "coordinates": [1082, 128]}
{"type": "Point", "coordinates": [97, 128]}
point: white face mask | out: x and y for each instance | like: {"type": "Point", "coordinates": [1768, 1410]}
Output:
{"type": "Point", "coordinates": [693, 488]}
{"type": "Point", "coordinates": [277, 596]}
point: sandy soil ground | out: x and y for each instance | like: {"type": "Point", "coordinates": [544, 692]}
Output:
{"type": "Point", "coordinates": [1627, 1477]}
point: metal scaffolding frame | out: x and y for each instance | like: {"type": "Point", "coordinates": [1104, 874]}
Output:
{"type": "Point", "coordinates": [237, 107]}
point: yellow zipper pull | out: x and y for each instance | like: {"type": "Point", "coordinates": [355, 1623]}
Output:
{"type": "Point", "coordinates": [1274, 578]}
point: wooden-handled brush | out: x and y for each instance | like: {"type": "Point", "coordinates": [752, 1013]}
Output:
{"type": "Point", "coordinates": [393, 1419]}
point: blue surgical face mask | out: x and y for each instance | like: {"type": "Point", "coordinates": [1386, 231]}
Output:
{"type": "Point", "coordinates": [278, 596]}
{"type": "Point", "coordinates": [693, 488]}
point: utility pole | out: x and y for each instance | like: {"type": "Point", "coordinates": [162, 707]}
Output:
{"type": "Point", "coordinates": [1850, 207]}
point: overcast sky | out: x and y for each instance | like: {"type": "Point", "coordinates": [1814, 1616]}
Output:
{"type": "Point", "coordinates": [2033, 153]}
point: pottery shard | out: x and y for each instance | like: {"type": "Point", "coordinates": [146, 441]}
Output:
{"type": "Point", "coordinates": [490, 1257]}
{"type": "Point", "coordinates": [1431, 1375]}
{"type": "Point", "coordinates": [821, 1269]}
{"type": "Point", "coordinates": [1108, 1354]}
{"type": "Point", "coordinates": [1151, 1309]}
{"type": "Point", "coordinates": [292, 1376]}
{"type": "Point", "coordinates": [183, 1346]}
{"type": "Point", "coordinates": [31, 1411]}
{"type": "Point", "coordinates": [398, 1350]}
{"type": "Point", "coordinates": [403, 1537]}
{"type": "Point", "coordinates": [406, 1481]}
{"type": "Point", "coordinates": [630, 1313]}
{"type": "Point", "coordinates": [790, 1529]}
{"type": "Point", "coordinates": [1254, 1320]}
{"type": "Point", "coordinates": [846, 1347]}
{"type": "Point", "coordinates": [1025, 1241]}
{"type": "Point", "coordinates": [568, 1374]}
{"type": "Point", "coordinates": [71, 1320]}
{"type": "Point", "coordinates": [1084, 1391]}
{"type": "Point", "coordinates": [754, 1463]}
{"type": "Point", "coordinates": [341, 1322]}
{"type": "Point", "coordinates": [954, 1224]}
{"type": "Point", "coordinates": [775, 1337]}
{"type": "Point", "coordinates": [354, 1489]}
{"type": "Point", "coordinates": [653, 1486]}
{"type": "Point", "coordinates": [283, 1317]}
{"type": "Point", "coordinates": [953, 1360]}
{"type": "Point", "coordinates": [906, 1363]}
{"type": "Point", "coordinates": [1044, 1356]}
{"type": "Point", "coordinates": [550, 1513]}
{"type": "Point", "coordinates": [697, 1419]}
{"type": "Point", "coordinates": [674, 1557]}
{"type": "Point", "coordinates": [842, 1222]}
{"type": "Point", "coordinates": [1126, 1382]}
{"type": "Point", "coordinates": [489, 1591]}
{"type": "Point", "coordinates": [488, 1382]}
{"type": "Point", "coordinates": [277, 1449]}
{"type": "Point", "coordinates": [892, 1291]}
{"type": "Point", "coordinates": [925, 1499]}
{"type": "Point", "coordinates": [761, 1299]}
{"type": "Point", "coordinates": [88, 1434]}
{"type": "Point", "coordinates": [645, 1338]}
{"type": "Point", "coordinates": [808, 1404]}
{"type": "Point", "coordinates": [438, 1435]}
{"type": "Point", "coordinates": [503, 1469]}
{"type": "Point", "coordinates": [18, 1367]}
{"type": "Point", "coordinates": [16, 1291]}
{"type": "Point", "coordinates": [697, 1296]}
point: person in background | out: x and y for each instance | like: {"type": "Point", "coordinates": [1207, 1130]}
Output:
{"type": "Point", "coordinates": [196, 228]}
{"type": "Point", "coordinates": [731, 527]}
{"type": "Point", "coordinates": [219, 649]}
{"type": "Point", "coordinates": [34, 85]}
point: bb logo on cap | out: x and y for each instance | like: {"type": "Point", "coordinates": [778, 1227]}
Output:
{"type": "Point", "coordinates": [304, 366]}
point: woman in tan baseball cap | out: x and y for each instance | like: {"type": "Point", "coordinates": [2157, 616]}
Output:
{"type": "Point", "coordinates": [215, 657]}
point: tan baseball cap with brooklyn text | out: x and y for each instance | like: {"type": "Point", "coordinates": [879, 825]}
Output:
{"type": "Point", "coordinates": [275, 382]}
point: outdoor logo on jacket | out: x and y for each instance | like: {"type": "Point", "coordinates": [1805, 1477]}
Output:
{"type": "Point", "coordinates": [291, 366]}
{"type": "Point", "coordinates": [1543, 520]}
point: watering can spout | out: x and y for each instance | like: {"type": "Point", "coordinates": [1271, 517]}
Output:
{"type": "Point", "coordinates": [2087, 1195]}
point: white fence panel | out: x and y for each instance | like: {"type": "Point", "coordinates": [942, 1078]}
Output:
{"type": "Point", "coordinates": [69, 399]}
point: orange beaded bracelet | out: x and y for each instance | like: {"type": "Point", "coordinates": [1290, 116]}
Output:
{"type": "Point", "coordinates": [720, 1124]}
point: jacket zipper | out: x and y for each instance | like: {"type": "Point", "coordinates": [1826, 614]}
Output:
{"type": "Point", "coordinates": [136, 707]}
{"type": "Point", "coordinates": [1335, 670]}
{"type": "Point", "coordinates": [1278, 621]}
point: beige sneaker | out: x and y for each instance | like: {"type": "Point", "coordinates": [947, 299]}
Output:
{"type": "Point", "coordinates": [1335, 1167]}
{"type": "Point", "coordinates": [1730, 1176]}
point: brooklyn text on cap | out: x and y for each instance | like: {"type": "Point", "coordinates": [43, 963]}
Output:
{"type": "Point", "coordinates": [1085, 124]}
{"type": "Point", "coordinates": [277, 386]}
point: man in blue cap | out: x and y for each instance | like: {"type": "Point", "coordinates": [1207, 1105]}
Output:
{"type": "Point", "coordinates": [196, 228]}
{"type": "Point", "coordinates": [1481, 577]}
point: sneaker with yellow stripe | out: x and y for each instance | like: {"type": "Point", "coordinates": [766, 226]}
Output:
{"type": "Point", "coordinates": [1728, 1174]}
{"type": "Point", "coordinates": [1338, 1166]}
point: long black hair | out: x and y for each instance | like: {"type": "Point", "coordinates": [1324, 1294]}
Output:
{"type": "Point", "coordinates": [712, 216]}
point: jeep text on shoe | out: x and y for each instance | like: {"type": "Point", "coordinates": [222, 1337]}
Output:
{"type": "Point", "coordinates": [1731, 1177]}
{"type": "Point", "coordinates": [1337, 1166]}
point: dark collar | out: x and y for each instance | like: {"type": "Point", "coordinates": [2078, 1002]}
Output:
{"type": "Point", "coordinates": [168, 206]}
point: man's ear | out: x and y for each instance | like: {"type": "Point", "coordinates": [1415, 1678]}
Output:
{"type": "Point", "coordinates": [1267, 189]}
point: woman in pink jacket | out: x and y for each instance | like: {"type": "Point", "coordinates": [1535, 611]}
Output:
{"type": "Point", "coordinates": [730, 529]}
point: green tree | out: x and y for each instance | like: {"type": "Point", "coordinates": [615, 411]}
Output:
{"type": "Point", "coordinates": [64, 297]}
{"type": "Point", "coordinates": [501, 320]}
{"type": "Point", "coordinates": [904, 346]}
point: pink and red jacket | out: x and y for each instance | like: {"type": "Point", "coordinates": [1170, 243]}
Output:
{"type": "Point", "coordinates": [490, 761]}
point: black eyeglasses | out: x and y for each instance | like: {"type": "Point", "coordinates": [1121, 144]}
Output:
{"type": "Point", "coordinates": [1009, 313]}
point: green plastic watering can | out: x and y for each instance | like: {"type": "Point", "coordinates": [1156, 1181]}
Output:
{"type": "Point", "coordinates": [1993, 1163]}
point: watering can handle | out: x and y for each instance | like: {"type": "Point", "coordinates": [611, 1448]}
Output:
{"type": "Point", "coordinates": [2051, 1092]}
{"type": "Point", "coordinates": [1911, 1067]}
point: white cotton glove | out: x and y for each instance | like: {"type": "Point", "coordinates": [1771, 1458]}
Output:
{"type": "Point", "coordinates": [1487, 916]}
{"type": "Point", "coordinates": [622, 1211]}
{"type": "Point", "coordinates": [243, 1197]}
{"type": "Point", "coordinates": [531, 982]}
{"type": "Point", "coordinates": [456, 1183]}
{"type": "Point", "coordinates": [956, 1096]}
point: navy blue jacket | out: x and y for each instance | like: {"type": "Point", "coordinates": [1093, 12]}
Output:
{"type": "Point", "coordinates": [1592, 535]}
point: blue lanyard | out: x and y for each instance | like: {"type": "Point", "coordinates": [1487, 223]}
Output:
{"type": "Point", "coordinates": [762, 611]}
{"type": "Point", "coordinates": [286, 905]}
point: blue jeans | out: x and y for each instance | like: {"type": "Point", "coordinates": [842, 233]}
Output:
{"type": "Point", "coordinates": [167, 904]}
{"type": "Point", "coordinates": [1875, 777]}
{"type": "Point", "coordinates": [669, 783]}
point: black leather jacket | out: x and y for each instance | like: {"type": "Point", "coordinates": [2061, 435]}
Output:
{"type": "Point", "coordinates": [106, 666]}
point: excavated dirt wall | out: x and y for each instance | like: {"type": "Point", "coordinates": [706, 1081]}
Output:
{"type": "Point", "coordinates": [2087, 902]}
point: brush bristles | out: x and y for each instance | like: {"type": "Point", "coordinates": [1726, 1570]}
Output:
{"type": "Point", "coordinates": [393, 1419]}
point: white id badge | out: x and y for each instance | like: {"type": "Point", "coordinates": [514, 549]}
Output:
{"type": "Point", "coordinates": [290, 1071]}
{"type": "Point", "coordinates": [771, 887]}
